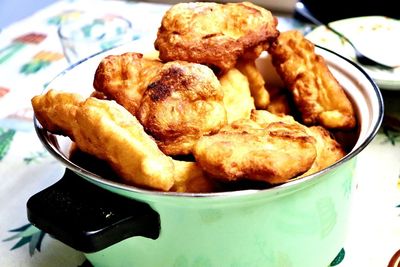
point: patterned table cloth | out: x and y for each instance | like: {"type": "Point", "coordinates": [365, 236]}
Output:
{"type": "Point", "coordinates": [31, 55]}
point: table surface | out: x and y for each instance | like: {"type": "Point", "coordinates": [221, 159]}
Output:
{"type": "Point", "coordinates": [31, 55]}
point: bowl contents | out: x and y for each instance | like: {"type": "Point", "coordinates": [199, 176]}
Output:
{"type": "Point", "coordinates": [200, 116]}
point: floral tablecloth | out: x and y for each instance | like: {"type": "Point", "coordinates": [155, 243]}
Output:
{"type": "Point", "coordinates": [31, 55]}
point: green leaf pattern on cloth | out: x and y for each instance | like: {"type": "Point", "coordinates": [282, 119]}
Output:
{"type": "Point", "coordinates": [339, 258]}
{"type": "Point", "coordinates": [9, 51]}
{"type": "Point", "coordinates": [392, 136]}
{"type": "Point", "coordinates": [35, 156]}
{"type": "Point", "coordinates": [34, 66]}
{"type": "Point", "coordinates": [27, 234]}
{"type": "Point", "coordinates": [6, 137]}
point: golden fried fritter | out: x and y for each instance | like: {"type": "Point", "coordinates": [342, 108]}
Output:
{"type": "Point", "coordinates": [237, 98]}
{"type": "Point", "coordinates": [125, 77]}
{"type": "Point", "coordinates": [56, 112]}
{"type": "Point", "coordinates": [189, 177]}
{"type": "Point", "coordinates": [106, 130]}
{"type": "Point", "coordinates": [183, 103]}
{"type": "Point", "coordinates": [317, 94]}
{"type": "Point", "coordinates": [328, 149]}
{"type": "Point", "coordinates": [272, 153]}
{"type": "Point", "coordinates": [256, 82]}
{"type": "Point", "coordinates": [215, 34]}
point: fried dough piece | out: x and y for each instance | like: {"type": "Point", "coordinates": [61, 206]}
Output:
{"type": "Point", "coordinates": [256, 82]}
{"type": "Point", "coordinates": [317, 94]}
{"type": "Point", "coordinates": [237, 98]}
{"type": "Point", "coordinates": [329, 150]}
{"type": "Point", "coordinates": [108, 131]}
{"type": "Point", "coordinates": [189, 177]}
{"type": "Point", "coordinates": [125, 77]}
{"type": "Point", "coordinates": [183, 103]}
{"type": "Point", "coordinates": [215, 34]}
{"type": "Point", "coordinates": [56, 111]}
{"type": "Point", "coordinates": [272, 153]}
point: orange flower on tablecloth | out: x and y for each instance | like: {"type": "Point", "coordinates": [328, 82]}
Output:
{"type": "Point", "coordinates": [41, 60]}
{"type": "Point", "coordinates": [64, 16]}
{"type": "Point", "coordinates": [48, 56]}
{"type": "Point", "coordinates": [3, 91]}
{"type": "Point", "coordinates": [31, 38]}
{"type": "Point", "coordinates": [20, 42]}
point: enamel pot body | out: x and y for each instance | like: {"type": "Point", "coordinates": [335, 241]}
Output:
{"type": "Point", "coordinates": [300, 223]}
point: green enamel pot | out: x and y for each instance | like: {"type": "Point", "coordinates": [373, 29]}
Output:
{"type": "Point", "coordinates": [300, 223]}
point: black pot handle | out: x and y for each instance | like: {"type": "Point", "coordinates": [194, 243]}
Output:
{"type": "Point", "coordinates": [89, 218]}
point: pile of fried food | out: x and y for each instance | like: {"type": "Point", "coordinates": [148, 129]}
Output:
{"type": "Point", "coordinates": [203, 99]}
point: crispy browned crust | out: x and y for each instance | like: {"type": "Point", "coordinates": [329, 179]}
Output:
{"type": "Point", "coordinates": [318, 96]}
{"type": "Point", "coordinates": [215, 34]}
{"type": "Point", "coordinates": [273, 153]}
{"type": "Point", "coordinates": [125, 77]}
{"type": "Point", "coordinates": [183, 103]}
{"type": "Point", "coordinates": [329, 150]}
